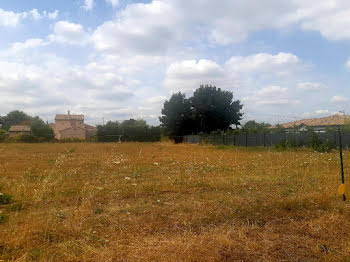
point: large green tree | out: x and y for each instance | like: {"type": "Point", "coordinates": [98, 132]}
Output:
{"type": "Point", "coordinates": [178, 117]}
{"type": "Point", "coordinates": [15, 118]}
{"type": "Point", "coordinates": [40, 129]}
{"type": "Point", "coordinates": [209, 109]}
{"type": "Point", "coordinates": [215, 109]}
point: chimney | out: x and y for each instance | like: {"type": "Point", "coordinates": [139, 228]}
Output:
{"type": "Point", "coordinates": [68, 112]}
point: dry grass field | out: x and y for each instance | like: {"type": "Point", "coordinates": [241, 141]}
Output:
{"type": "Point", "coordinates": [165, 202]}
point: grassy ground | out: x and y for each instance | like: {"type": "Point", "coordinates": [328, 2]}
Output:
{"type": "Point", "coordinates": [164, 202]}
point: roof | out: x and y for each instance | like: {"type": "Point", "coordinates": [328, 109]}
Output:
{"type": "Point", "coordinates": [89, 127]}
{"type": "Point", "coordinates": [324, 121]}
{"type": "Point", "coordinates": [73, 127]}
{"type": "Point", "coordinates": [69, 117]}
{"type": "Point", "coordinates": [19, 129]}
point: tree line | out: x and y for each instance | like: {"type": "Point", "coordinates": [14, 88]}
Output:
{"type": "Point", "coordinates": [39, 130]}
{"type": "Point", "coordinates": [209, 110]}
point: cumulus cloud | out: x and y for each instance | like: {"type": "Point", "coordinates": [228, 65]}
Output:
{"type": "Point", "coordinates": [140, 28]}
{"type": "Point", "coordinates": [10, 18]}
{"type": "Point", "coordinates": [18, 47]}
{"type": "Point", "coordinates": [230, 21]}
{"type": "Point", "coordinates": [311, 86]}
{"type": "Point", "coordinates": [282, 63]}
{"type": "Point", "coordinates": [339, 99]}
{"type": "Point", "coordinates": [70, 33]}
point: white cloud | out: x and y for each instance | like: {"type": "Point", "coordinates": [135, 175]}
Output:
{"type": "Point", "coordinates": [35, 14]}
{"type": "Point", "coordinates": [187, 75]}
{"type": "Point", "coordinates": [88, 4]}
{"type": "Point", "coordinates": [18, 47]}
{"type": "Point", "coordinates": [320, 113]}
{"type": "Point", "coordinates": [10, 18]}
{"type": "Point", "coordinates": [339, 99]}
{"type": "Point", "coordinates": [142, 29]}
{"type": "Point", "coordinates": [311, 86]}
{"type": "Point", "coordinates": [157, 99]}
{"type": "Point", "coordinates": [114, 3]}
{"type": "Point", "coordinates": [224, 23]}
{"type": "Point", "coordinates": [282, 63]}
{"type": "Point", "coordinates": [348, 64]}
{"type": "Point", "coordinates": [70, 33]}
{"type": "Point", "coordinates": [53, 15]}
{"type": "Point", "coordinates": [272, 90]}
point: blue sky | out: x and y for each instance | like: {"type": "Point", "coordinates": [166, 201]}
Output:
{"type": "Point", "coordinates": [120, 59]}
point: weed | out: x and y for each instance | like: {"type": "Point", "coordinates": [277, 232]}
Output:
{"type": "Point", "coordinates": [5, 199]}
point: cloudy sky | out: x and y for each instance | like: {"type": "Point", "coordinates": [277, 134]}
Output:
{"type": "Point", "coordinates": [117, 59]}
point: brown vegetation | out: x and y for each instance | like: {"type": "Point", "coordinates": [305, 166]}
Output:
{"type": "Point", "coordinates": [164, 202]}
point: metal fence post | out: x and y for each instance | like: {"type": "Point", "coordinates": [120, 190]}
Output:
{"type": "Point", "coordinates": [341, 161]}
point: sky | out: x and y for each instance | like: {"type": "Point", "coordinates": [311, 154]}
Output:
{"type": "Point", "coordinates": [120, 59]}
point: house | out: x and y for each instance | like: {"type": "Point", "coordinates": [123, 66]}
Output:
{"type": "Point", "coordinates": [72, 126]}
{"type": "Point", "coordinates": [19, 130]}
{"type": "Point", "coordinates": [318, 124]}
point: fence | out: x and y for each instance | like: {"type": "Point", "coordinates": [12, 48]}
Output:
{"type": "Point", "coordinates": [252, 140]}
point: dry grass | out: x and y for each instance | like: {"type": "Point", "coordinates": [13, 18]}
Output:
{"type": "Point", "coordinates": [163, 202]}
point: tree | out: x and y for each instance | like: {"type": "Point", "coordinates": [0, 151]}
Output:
{"type": "Point", "coordinates": [128, 130]}
{"type": "Point", "coordinates": [40, 129]}
{"type": "Point", "coordinates": [209, 109]}
{"type": "Point", "coordinates": [15, 118]}
{"type": "Point", "coordinates": [109, 132]}
{"type": "Point", "coordinates": [255, 127]}
{"type": "Point", "coordinates": [215, 109]}
{"type": "Point", "coordinates": [178, 117]}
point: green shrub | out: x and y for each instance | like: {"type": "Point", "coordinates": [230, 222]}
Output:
{"type": "Point", "coordinates": [317, 144]}
{"type": "Point", "coordinates": [3, 135]}
{"type": "Point", "coordinates": [5, 199]}
{"type": "Point", "coordinates": [3, 218]}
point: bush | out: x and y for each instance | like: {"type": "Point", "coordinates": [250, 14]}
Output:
{"type": "Point", "coordinates": [3, 218]}
{"type": "Point", "coordinates": [5, 199]}
{"type": "Point", "coordinates": [317, 144]}
{"type": "Point", "coordinates": [3, 135]}
{"type": "Point", "coordinates": [26, 138]}
{"type": "Point", "coordinates": [128, 131]}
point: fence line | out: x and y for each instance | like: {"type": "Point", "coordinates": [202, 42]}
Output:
{"type": "Point", "coordinates": [252, 140]}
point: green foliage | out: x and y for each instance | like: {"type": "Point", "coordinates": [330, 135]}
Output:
{"type": "Point", "coordinates": [15, 118]}
{"type": "Point", "coordinates": [288, 144]}
{"type": "Point", "coordinates": [5, 199]}
{"type": "Point", "coordinates": [40, 129]}
{"type": "Point", "coordinates": [215, 109]}
{"type": "Point", "coordinates": [17, 207]}
{"type": "Point", "coordinates": [253, 127]}
{"type": "Point", "coordinates": [128, 131]}
{"type": "Point", "coordinates": [3, 135]}
{"type": "Point", "coordinates": [3, 218]}
{"type": "Point", "coordinates": [317, 144]}
{"type": "Point", "coordinates": [209, 109]}
{"type": "Point", "coordinates": [178, 116]}
{"type": "Point", "coordinates": [278, 129]}
{"type": "Point", "coordinates": [26, 138]}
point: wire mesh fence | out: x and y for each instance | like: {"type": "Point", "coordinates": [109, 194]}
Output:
{"type": "Point", "coordinates": [254, 140]}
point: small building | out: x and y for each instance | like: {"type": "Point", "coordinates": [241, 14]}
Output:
{"type": "Point", "coordinates": [317, 124]}
{"type": "Point", "coordinates": [72, 126]}
{"type": "Point", "coordinates": [19, 130]}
